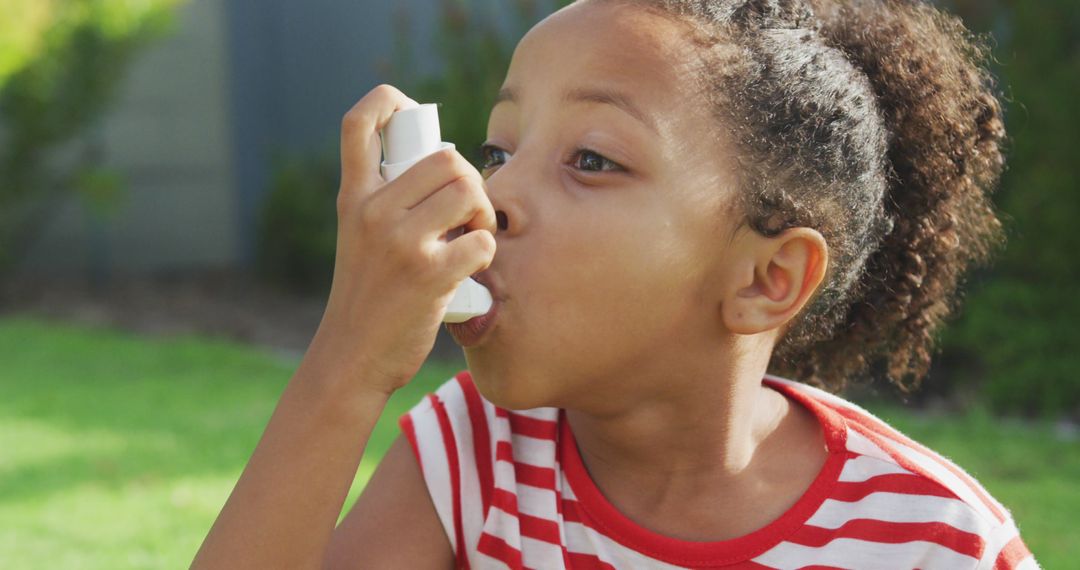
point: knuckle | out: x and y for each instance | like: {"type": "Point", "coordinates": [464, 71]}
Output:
{"type": "Point", "coordinates": [444, 159]}
{"type": "Point", "coordinates": [359, 117]}
{"type": "Point", "coordinates": [350, 202]}
{"type": "Point", "coordinates": [412, 257]}
{"type": "Point", "coordinates": [353, 120]}
{"type": "Point", "coordinates": [404, 251]}
{"type": "Point", "coordinates": [462, 167]}
{"type": "Point", "coordinates": [460, 188]}
{"type": "Point", "coordinates": [486, 242]}
{"type": "Point", "coordinates": [369, 215]}
{"type": "Point", "coordinates": [399, 245]}
{"type": "Point", "coordinates": [466, 188]}
{"type": "Point", "coordinates": [428, 259]}
{"type": "Point", "coordinates": [384, 90]}
{"type": "Point", "coordinates": [479, 182]}
{"type": "Point", "coordinates": [344, 202]}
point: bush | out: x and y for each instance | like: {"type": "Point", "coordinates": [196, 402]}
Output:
{"type": "Point", "coordinates": [298, 224]}
{"type": "Point", "coordinates": [60, 65]}
{"type": "Point", "coordinates": [1023, 344]}
{"type": "Point", "coordinates": [1017, 335]}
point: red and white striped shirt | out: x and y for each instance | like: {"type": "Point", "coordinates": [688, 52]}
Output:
{"type": "Point", "coordinates": [511, 491]}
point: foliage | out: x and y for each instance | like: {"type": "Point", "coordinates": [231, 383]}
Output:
{"type": "Point", "coordinates": [60, 65]}
{"type": "Point", "coordinates": [1018, 337]}
{"type": "Point", "coordinates": [298, 224]}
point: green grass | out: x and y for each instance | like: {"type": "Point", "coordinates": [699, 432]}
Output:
{"type": "Point", "coordinates": [118, 452]}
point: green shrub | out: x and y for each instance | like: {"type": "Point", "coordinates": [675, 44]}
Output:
{"type": "Point", "coordinates": [1017, 336]}
{"type": "Point", "coordinates": [1021, 342]}
{"type": "Point", "coordinates": [60, 65]}
{"type": "Point", "coordinates": [298, 224]}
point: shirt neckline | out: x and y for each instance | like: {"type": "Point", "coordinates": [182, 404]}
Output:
{"type": "Point", "coordinates": [676, 551]}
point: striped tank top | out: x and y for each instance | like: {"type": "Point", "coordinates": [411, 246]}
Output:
{"type": "Point", "coordinates": [511, 491]}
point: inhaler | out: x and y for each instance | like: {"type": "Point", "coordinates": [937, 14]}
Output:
{"type": "Point", "coordinates": [410, 135]}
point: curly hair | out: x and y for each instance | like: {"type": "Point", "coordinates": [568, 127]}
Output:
{"type": "Point", "coordinates": [876, 123]}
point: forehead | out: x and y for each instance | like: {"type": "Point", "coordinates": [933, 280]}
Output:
{"type": "Point", "coordinates": [606, 43]}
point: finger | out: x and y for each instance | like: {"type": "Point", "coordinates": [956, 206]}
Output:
{"type": "Point", "coordinates": [462, 202]}
{"type": "Point", "coordinates": [470, 253]}
{"type": "Point", "coordinates": [361, 148]}
{"type": "Point", "coordinates": [425, 178]}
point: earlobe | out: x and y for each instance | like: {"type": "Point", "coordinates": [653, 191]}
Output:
{"type": "Point", "coordinates": [786, 271]}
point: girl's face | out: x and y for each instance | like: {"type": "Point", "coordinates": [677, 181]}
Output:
{"type": "Point", "coordinates": [616, 193]}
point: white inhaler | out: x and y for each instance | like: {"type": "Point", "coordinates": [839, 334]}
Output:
{"type": "Point", "coordinates": [409, 136]}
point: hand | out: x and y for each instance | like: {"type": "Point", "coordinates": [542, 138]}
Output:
{"type": "Point", "coordinates": [394, 271]}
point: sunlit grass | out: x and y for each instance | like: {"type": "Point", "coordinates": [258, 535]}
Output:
{"type": "Point", "coordinates": [118, 451]}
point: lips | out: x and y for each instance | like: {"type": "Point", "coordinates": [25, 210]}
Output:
{"type": "Point", "coordinates": [473, 331]}
{"type": "Point", "coordinates": [486, 279]}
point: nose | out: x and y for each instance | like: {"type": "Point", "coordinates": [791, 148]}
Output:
{"type": "Point", "coordinates": [507, 200]}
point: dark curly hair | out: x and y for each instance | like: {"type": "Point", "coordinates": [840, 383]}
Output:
{"type": "Point", "coordinates": [876, 123]}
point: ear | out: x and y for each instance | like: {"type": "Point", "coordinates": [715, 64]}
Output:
{"type": "Point", "coordinates": [774, 280]}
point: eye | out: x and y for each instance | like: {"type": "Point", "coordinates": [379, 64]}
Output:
{"type": "Point", "coordinates": [591, 161]}
{"type": "Point", "coordinates": [486, 152]}
{"type": "Point", "coordinates": [594, 162]}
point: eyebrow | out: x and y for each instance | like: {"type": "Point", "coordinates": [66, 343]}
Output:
{"type": "Point", "coordinates": [591, 95]}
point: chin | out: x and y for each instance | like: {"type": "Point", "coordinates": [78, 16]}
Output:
{"type": "Point", "coordinates": [505, 389]}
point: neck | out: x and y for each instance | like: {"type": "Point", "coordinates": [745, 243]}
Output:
{"type": "Point", "coordinates": [685, 430]}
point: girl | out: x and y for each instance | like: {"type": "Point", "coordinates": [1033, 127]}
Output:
{"type": "Point", "coordinates": [688, 198]}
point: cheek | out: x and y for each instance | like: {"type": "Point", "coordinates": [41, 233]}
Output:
{"type": "Point", "coordinates": [603, 280]}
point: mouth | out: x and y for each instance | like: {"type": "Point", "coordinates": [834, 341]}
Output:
{"type": "Point", "coordinates": [485, 278]}
{"type": "Point", "coordinates": [473, 331]}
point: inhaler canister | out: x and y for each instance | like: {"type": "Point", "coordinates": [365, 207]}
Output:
{"type": "Point", "coordinates": [409, 136]}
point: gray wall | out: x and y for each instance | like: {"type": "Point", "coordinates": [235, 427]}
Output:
{"type": "Point", "coordinates": [298, 66]}
{"type": "Point", "coordinates": [203, 113]}
{"type": "Point", "coordinates": [169, 136]}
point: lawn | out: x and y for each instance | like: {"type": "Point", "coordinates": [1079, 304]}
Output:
{"type": "Point", "coordinates": [118, 452]}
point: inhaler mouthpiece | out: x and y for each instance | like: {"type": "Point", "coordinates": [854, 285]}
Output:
{"type": "Point", "coordinates": [409, 136]}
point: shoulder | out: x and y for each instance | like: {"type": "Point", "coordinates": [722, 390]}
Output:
{"type": "Point", "coordinates": [457, 407]}
{"type": "Point", "coordinates": [457, 418]}
{"type": "Point", "coordinates": [449, 430]}
{"type": "Point", "coordinates": [449, 433]}
{"type": "Point", "coordinates": [471, 452]}
{"type": "Point", "coordinates": [892, 478]}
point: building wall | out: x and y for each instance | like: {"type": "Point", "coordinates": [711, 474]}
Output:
{"type": "Point", "coordinates": [298, 67]}
{"type": "Point", "coordinates": [169, 135]}
{"type": "Point", "coordinates": [204, 113]}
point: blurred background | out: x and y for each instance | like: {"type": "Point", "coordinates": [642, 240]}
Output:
{"type": "Point", "coordinates": [168, 170]}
